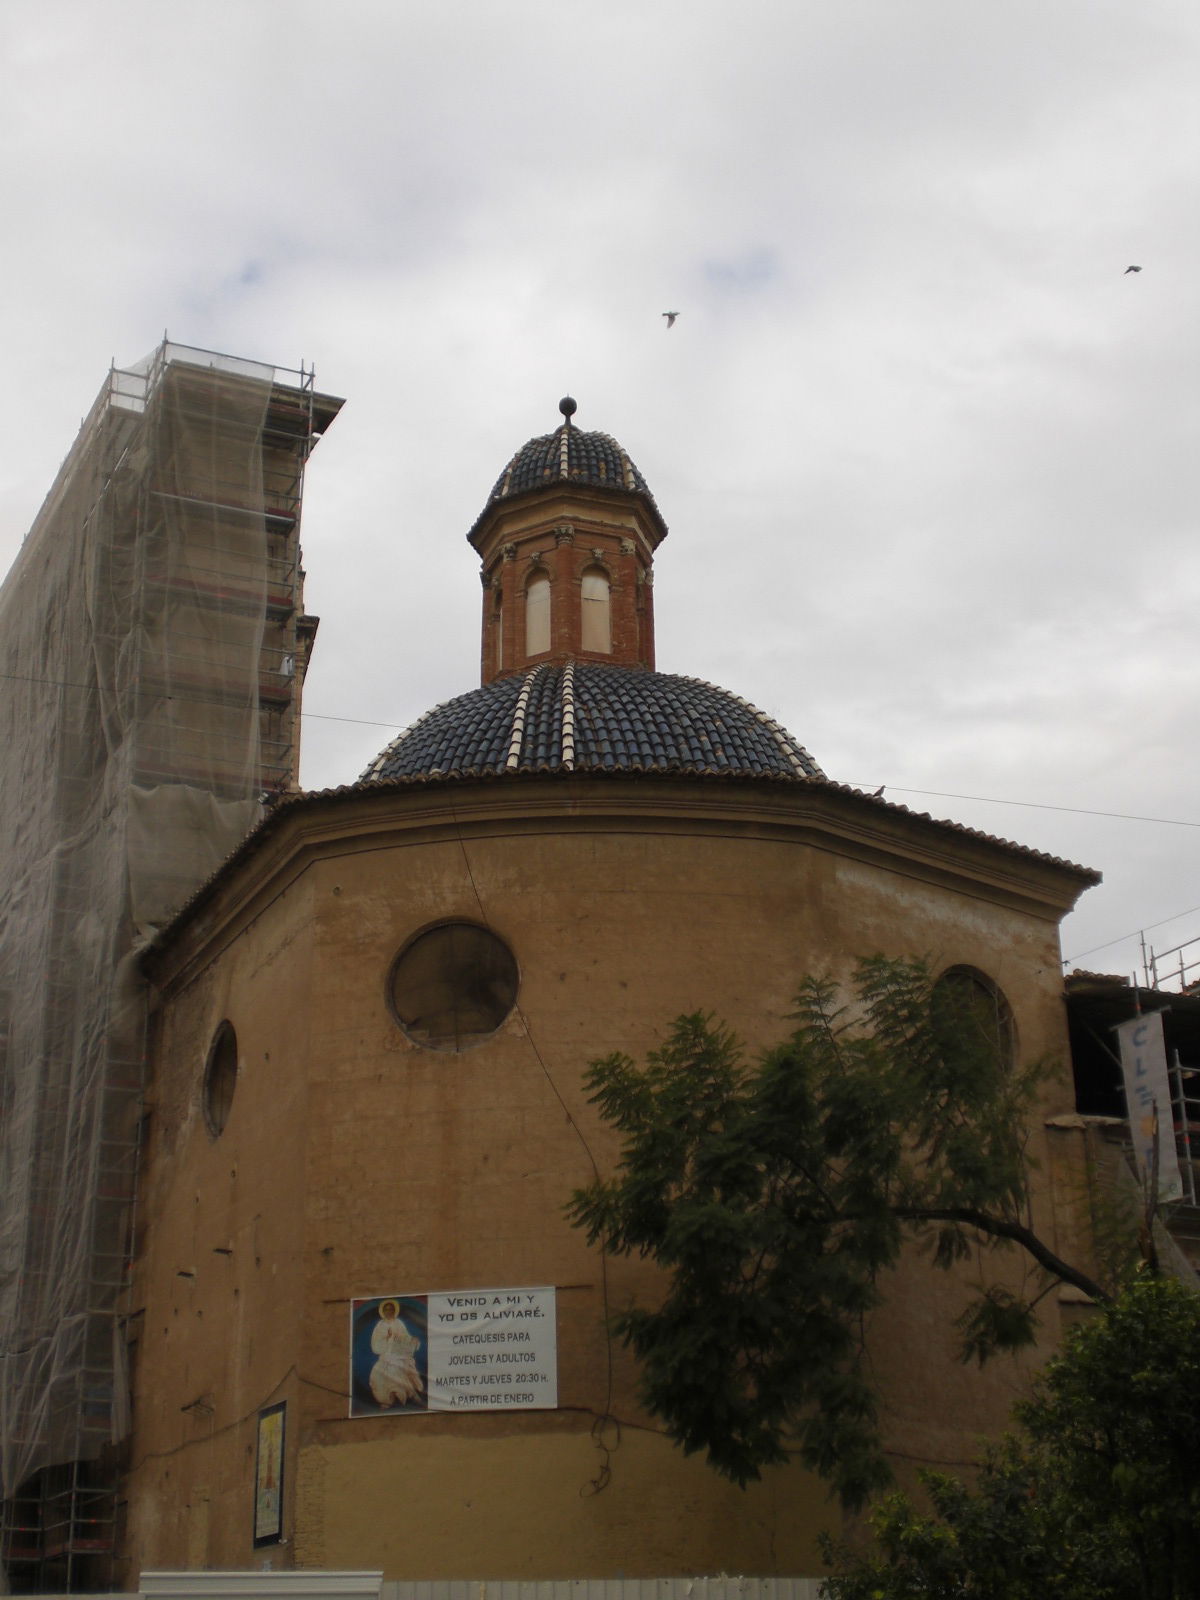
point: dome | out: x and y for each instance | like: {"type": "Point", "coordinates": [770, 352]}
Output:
{"type": "Point", "coordinates": [588, 717]}
{"type": "Point", "coordinates": [572, 456]}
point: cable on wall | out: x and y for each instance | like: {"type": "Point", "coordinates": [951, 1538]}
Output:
{"type": "Point", "coordinates": [606, 1418]}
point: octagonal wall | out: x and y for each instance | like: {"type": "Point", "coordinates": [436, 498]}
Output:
{"type": "Point", "coordinates": [219, 1250]}
{"type": "Point", "coordinates": [356, 1163]}
{"type": "Point", "coordinates": [561, 537]}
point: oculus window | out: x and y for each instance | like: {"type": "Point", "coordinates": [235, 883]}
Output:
{"type": "Point", "coordinates": [220, 1078]}
{"type": "Point", "coordinates": [453, 985]}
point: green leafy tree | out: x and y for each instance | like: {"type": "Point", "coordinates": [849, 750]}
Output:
{"type": "Point", "coordinates": [1095, 1497]}
{"type": "Point", "coordinates": [775, 1195]}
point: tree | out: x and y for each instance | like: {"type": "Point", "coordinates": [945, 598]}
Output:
{"type": "Point", "coordinates": [1096, 1497]}
{"type": "Point", "coordinates": [775, 1195]}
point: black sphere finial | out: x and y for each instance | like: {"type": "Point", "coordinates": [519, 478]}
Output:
{"type": "Point", "coordinates": [568, 407]}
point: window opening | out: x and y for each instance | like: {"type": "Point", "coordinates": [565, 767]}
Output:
{"type": "Point", "coordinates": [596, 632]}
{"type": "Point", "coordinates": [453, 985]}
{"type": "Point", "coordinates": [971, 1011]}
{"type": "Point", "coordinates": [537, 615]}
{"type": "Point", "coordinates": [220, 1078]}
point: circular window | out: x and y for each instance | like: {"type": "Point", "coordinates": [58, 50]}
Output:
{"type": "Point", "coordinates": [971, 1011]}
{"type": "Point", "coordinates": [453, 985]}
{"type": "Point", "coordinates": [220, 1078]}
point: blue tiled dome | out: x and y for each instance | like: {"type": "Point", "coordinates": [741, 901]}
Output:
{"type": "Point", "coordinates": [588, 717]}
{"type": "Point", "coordinates": [570, 455]}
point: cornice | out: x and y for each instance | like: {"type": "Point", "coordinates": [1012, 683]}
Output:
{"type": "Point", "coordinates": [818, 815]}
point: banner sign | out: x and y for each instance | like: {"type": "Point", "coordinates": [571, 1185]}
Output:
{"type": "Point", "coordinates": [268, 1476]}
{"type": "Point", "coordinates": [1148, 1101]}
{"type": "Point", "coordinates": [475, 1350]}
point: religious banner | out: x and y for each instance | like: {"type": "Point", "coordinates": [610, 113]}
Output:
{"type": "Point", "coordinates": [268, 1476]}
{"type": "Point", "coordinates": [474, 1350]}
{"type": "Point", "coordinates": [1148, 1101]}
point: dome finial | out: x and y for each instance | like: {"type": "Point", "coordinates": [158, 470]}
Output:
{"type": "Point", "coordinates": [568, 408]}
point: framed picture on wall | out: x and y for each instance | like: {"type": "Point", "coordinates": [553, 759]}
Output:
{"type": "Point", "coordinates": [268, 1476]}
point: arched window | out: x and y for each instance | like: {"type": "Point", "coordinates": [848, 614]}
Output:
{"type": "Point", "coordinates": [498, 630]}
{"type": "Point", "coordinates": [537, 614]}
{"type": "Point", "coordinates": [596, 632]}
{"type": "Point", "coordinates": [971, 1015]}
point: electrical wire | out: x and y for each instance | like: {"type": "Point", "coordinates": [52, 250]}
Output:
{"type": "Point", "coordinates": [603, 1420]}
{"type": "Point", "coordinates": [1034, 805]}
{"type": "Point", "coordinates": [1133, 933]}
{"type": "Point", "coordinates": [196, 699]}
{"type": "Point", "coordinates": [360, 722]}
{"type": "Point", "coordinates": [937, 794]}
{"type": "Point", "coordinates": [934, 794]}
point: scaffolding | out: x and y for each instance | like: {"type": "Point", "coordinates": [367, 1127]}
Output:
{"type": "Point", "coordinates": [1177, 971]}
{"type": "Point", "coordinates": [1178, 967]}
{"type": "Point", "coordinates": [153, 645]}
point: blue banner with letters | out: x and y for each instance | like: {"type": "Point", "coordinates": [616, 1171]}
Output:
{"type": "Point", "coordinates": [1148, 1102]}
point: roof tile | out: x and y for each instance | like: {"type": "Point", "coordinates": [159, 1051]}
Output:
{"type": "Point", "coordinates": [625, 719]}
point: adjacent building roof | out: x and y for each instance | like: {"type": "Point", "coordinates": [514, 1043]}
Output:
{"type": "Point", "coordinates": [589, 717]}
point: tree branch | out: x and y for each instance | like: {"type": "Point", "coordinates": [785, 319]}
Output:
{"type": "Point", "coordinates": [999, 1228]}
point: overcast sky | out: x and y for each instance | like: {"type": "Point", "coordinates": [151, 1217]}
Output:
{"type": "Point", "coordinates": [927, 452]}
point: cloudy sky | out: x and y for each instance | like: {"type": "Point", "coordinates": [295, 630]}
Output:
{"type": "Point", "coordinates": [927, 452]}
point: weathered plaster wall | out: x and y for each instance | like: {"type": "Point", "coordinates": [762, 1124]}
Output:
{"type": "Point", "coordinates": [369, 1165]}
{"type": "Point", "coordinates": [219, 1270]}
{"type": "Point", "coordinates": [411, 1503]}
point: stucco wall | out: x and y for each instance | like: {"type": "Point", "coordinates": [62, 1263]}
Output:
{"type": "Point", "coordinates": [219, 1274]}
{"type": "Point", "coordinates": [356, 1163]}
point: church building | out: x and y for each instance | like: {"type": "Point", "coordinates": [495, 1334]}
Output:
{"type": "Point", "coordinates": [363, 1332]}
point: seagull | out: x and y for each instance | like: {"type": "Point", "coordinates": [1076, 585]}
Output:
{"type": "Point", "coordinates": [1128, 270]}
{"type": "Point", "coordinates": [671, 315]}
{"type": "Point", "coordinates": [878, 795]}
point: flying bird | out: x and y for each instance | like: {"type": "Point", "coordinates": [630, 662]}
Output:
{"type": "Point", "coordinates": [671, 315]}
{"type": "Point", "coordinates": [1128, 270]}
